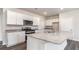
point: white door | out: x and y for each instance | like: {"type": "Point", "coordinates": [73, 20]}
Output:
{"type": "Point", "coordinates": [11, 17]}
{"type": "Point", "coordinates": [19, 19]}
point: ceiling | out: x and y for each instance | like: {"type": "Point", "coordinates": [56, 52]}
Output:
{"type": "Point", "coordinates": [48, 11]}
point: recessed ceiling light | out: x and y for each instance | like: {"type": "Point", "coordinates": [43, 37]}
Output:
{"type": "Point", "coordinates": [61, 8]}
{"type": "Point", "coordinates": [45, 13]}
{"type": "Point", "coordinates": [35, 8]}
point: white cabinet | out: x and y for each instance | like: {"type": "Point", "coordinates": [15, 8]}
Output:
{"type": "Point", "coordinates": [50, 21]}
{"type": "Point", "coordinates": [38, 44]}
{"type": "Point", "coordinates": [11, 17]}
{"type": "Point", "coordinates": [35, 44]}
{"type": "Point", "coordinates": [14, 18]}
{"type": "Point", "coordinates": [41, 23]}
{"type": "Point", "coordinates": [14, 38]}
{"type": "Point", "coordinates": [19, 19]}
{"type": "Point", "coordinates": [27, 17]}
{"type": "Point", "coordinates": [52, 46]}
{"type": "Point", "coordinates": [21, 36]}
{"type": "Point", "coordinates": [36, 21]}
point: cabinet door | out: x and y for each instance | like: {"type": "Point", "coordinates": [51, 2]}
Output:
{"type": "Point", "coordinates": [21, 37]}
{"type": "Point", "coordinates": [35, 44]}
{"type": "Point", "coordinates": [41, 44]}
{"type": "Point", "coordinates": [49, 22]}
{"type": "Point", "coordinates": [24, 17]}
{"type": "Point", "coordinates": [36, 21]}
{"type": "Point", "coordinates": [27, 17]}
{"type": "Point", "coordinates": [30, 17]}
{"type": "Point", "coordinates": [32, 43]}
{"type": "Point", "coordinates": [11, 17]}
{"type": "Point", "coordinates": [19, 19]}
{"type": "Point", "coordinates": [52, 46]}
{"type": "Point", "coordinates": [12, 39]}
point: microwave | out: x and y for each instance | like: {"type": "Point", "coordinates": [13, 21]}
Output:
{"type": "Point", "coordinates": [27, 22]}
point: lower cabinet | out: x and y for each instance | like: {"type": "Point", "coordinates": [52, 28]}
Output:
{"type": "Point", "coordinates": [53, 46]}
{"type": "Point", "coordinates": [14, 38]}
{"type": "Point", "coordinates": [35, 44]}
{"type": "Point", "coordinates": [21, 36]}
{"type": "Point", "coordinates": [11, 39]}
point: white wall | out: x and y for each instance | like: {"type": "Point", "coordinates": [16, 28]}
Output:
{"type": "Point", "coordinates": [0, 24]}
{"type": "Point", "coordinates": [69, 21]}
{"type": "Point", "coordinates": [65, 22]}
{"type": "Point", "coordinates": [76, 26]}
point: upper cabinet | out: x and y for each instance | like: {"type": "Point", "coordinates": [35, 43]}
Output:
{"type": "Point", "coordinates": [49, 22]}
{"type": "Point", "coordinates": [11, 17]}
{"type": "Point", "coordinates": [27, 17]}
{"type": "Point", "coordinates": [36, 21]}
{"type": "Point", "coordinates": [14, 18]}
{"type": "Point", "coordinates": [19, 19]}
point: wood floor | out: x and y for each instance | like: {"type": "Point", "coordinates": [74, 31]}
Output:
{"type": "Point", "coordinates": [21, 46]}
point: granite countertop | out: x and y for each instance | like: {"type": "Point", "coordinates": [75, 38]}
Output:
{"type": "Point", "coordinates": [13, 30]}
{"type": "Point", "coordinates": [57, 38]}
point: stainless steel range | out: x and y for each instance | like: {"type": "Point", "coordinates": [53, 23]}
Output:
{"type": "Point", "coordinates": [28, 30]}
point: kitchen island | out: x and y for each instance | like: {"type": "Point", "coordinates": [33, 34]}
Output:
{"type": "Point", "coordinates": [48, 41]}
